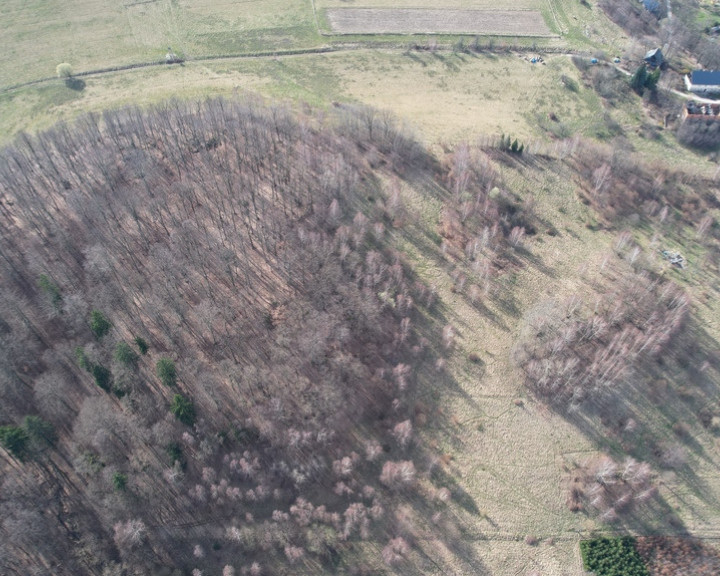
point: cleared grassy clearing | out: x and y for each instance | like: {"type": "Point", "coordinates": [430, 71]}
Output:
{"type": "Point", "coordinates": [464, 96]}
{"type": "Point", "coordinates": [506, 458]}
{"type": "Point", "coordinates": [414, 21]}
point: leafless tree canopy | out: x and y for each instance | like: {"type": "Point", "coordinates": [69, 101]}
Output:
{"type": "Point", "coordinates": [572, 351]}
{"type": "Point", "coordinates": [236, 243]}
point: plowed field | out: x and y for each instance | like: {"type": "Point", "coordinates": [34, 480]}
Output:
{"type": "Point", "coordinates": [424, 21]}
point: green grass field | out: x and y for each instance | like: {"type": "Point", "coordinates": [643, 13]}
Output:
{"type": "Point", "coordinates": [98, 33]}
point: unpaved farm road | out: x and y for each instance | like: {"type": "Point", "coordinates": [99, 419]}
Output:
{"type": "Point", "coordinates": [308, 51]}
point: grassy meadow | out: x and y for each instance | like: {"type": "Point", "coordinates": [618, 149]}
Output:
{"type": "Point", "coordinates": [509, 455]}
{"type": "Point", "coordinates": [98, 33]}
{"type": "Point", "coordinates": [463, 96]}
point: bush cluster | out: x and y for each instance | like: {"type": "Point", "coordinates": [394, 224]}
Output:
{"type": "Point", "coordinates": [643, 79]}
{"type": "Point", "coordinates": [14, 439]}
{"type": "Point", "coordinates": [612, 557]}
{"type": "Point", "coordinates": [572, 353]}
{"type": "Point", "coordinates": [165, 369]}
{"type": "Point", "coordinates": [99, 324]}
{"type": "Point", "coordinates": [34, 435]}
{"type": "Point", "coordinates": [126, 355]}
{"type": "Point", "coordinates": [51, 289]}
{"type": "Point", "coordinates": [667, 556]}
{"type": "Point", "coordinates": [183, 409]}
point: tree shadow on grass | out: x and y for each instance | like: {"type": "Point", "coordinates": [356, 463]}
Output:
{"type": "Point", "coordinates": [448, 531]}
{"type": "Point", "coordinates": [412, 55]}
{"type": "Point", "coordinates": [76, 84]}
{"type": "Point", "coordinates": [441, 478]}
{"type": "Point", "coordinates": [446, 61]}
{"type": "Point", "coordinates": [429, 243]}
{"type": "Point", "coordinates": [659, 416]}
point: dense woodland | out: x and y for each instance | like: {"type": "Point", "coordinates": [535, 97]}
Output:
{"type": "Point", "coordinates": [208, 347]}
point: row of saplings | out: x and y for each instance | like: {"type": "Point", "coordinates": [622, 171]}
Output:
{"type": "Point", "coordinates": [649, 556]}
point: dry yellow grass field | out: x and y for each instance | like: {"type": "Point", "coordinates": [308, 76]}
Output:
{"type": "Point", "coordinates": [444, 97]}
{"type": "Point", "coordinates": [511, 454]}
{"type": "Point", "coordinates": [462, 95]}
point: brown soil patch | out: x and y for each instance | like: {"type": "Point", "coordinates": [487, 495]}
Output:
{"type": "Point", "coordinates": [422, 21]}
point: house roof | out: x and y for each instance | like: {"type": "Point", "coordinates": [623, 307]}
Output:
{"type": "Point", "coordinates": [706, 77]}
{"type": "Point", "coordinates": [652, 53]}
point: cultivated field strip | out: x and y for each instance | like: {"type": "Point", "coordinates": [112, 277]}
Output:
{"type": "Point", "coordinates": [428, 21]}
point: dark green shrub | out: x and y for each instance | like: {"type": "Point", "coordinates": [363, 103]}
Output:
{"type": "Point", "coordinates": [92, 463]}
{"type": "Point", "coordinates": [82, 359]}
{"type": "Point", "coordinates": [39, 432]}
{"type": "Point", "coordinates": [142, 345]}
{"type": "Point", "coordinates": [126, 355]}
{"type": "Point", "coordinates": [14, 440]}
{"type": "Point", "coordinates": [183, 409]}
{"type": "Point", "coordinates": [119, 391]}
{"type": "Point", "coordinates": [643, 79]}
{"type": "Point", "coordinates": [99, 324]}
{"type": "Point", "coordinates": [119, 481]}
{"type": "Point", "coordinates": [175, 453]}
{"type": "Point", "coordinates": [637, 81]}
{"type": "Point", "coordinates": [652, 80]}
{"type": "Point", "coordinates": [165, 370]}
{"type": "Point", "coordinates": [511, 145]}
{"type": "Point", "coordinates": [612, 557]}
{"type": "Point", "coordinates": [102, 376]}
{"type": "Point", "coordinates": [51, 289]}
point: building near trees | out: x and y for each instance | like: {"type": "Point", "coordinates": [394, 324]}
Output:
{"type": "Point", "coordinates": [703, 82]}
{"type": "Point", "coordinates": [654, 58]}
